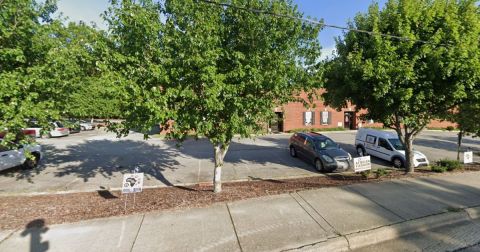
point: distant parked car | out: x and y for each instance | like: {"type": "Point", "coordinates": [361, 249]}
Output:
{"type": "Point", "coordinates": [320, 150]}
{"type": "Point", "coordinates": [84, 125]}
{"type": "Point", "coordinates": [34, 126]}
{"type": "Point", "coordinates": [10, 158]}
{"type": "Point", "coordinates": [73, 126]}
{"type": "Point", "coordinates": [387, 146]}
{"type": "Point", "coordinates": [58, 130]}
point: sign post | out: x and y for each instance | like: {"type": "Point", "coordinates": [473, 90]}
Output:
{"type": "Point", "coordinates": [362, 164]}
{"type": "Point", "coordinates": [468, 157]}
{"type": "Point", "coordinates": [132, 183]}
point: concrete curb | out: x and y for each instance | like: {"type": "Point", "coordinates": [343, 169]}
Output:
{"type": "Point", "coordinates": [391, 232]}
{"type": "Point", "coordinates": [386, 233]}
{"type": "Point", "coordinates": [7, 194]}
{"type": "Point", "coordinates": [339, 243]}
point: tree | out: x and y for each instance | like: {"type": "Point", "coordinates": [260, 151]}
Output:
{"type": "Point", "coordinates": [405, 83]}
{"type": "Point", "coordinates": [27, 38]}
{"type": "Point", "coordinates": [467, 117]}
{"type": "Point", "coordinates": [49, 70]}
{"type": "Point", "coordinates": [215, 71]}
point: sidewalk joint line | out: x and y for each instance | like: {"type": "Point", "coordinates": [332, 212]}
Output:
{"type": "Point", "coordinates": [138, 231]}
{"type": "Point", "coordinates": [234, 229]}
{"type": "Point", "coordinates": [308, 212]}
{"type": "Point", "coordinates": [10, 235]}
{"type": "Point", "coordinates": [315, 210]}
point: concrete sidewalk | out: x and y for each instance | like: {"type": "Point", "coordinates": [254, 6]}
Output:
{"type": "Point", "coordinates": [360, 216]}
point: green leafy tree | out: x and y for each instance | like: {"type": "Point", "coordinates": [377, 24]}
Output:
{"type": "Point", "coordinates": [404, 83]}
{"type": "Point", "coordinates": [28, 37]}
{"type": "Point", "coordinates": [467, 117]}
{"type": "Point", "coordinates": [94, 90]}
{"type": "Point", "coordinates": [215, 71]}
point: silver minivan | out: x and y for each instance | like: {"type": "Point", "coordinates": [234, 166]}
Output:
{"type": "Point", "coordinates": [387, 146]}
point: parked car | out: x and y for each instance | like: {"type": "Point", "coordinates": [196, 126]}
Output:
{"type": "Point", "coordinates": [387, 146]}
{"type": "Point", "coordinates": [73, 126]}
{"type": "Point", "coordinates": [34, 126]}
{"type": "Point", "coordinates": [318, 149]}
{"type": "Point", "coordinates": [58, 130]}
{"type": "Point", "coordinates": [10, 158]}
{"type": "Point", "coordinates": [84, 125]}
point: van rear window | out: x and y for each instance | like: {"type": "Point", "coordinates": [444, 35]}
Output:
{"type": "Point", "coordinates": [371, 139]}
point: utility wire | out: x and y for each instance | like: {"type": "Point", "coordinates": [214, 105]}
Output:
{"type": "Point", "coordinates": [317, 22]}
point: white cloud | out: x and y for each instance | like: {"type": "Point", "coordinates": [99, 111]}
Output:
{"type": "Point", "coordinates": [328, 52]}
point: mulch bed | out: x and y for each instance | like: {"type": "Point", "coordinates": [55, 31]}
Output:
{"type": "Point", "coordinates": [18, 211]}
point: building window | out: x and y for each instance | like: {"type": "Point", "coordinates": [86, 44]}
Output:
{"type": "Point", "coordinates": [326, 117]}
{"type": "Point", "coordinates": [308, 118]}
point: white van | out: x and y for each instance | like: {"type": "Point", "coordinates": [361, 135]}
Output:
{"type": "Point", "coordinates": [385, 145]}
{"type": "Point", "coordinates": [15, 157]}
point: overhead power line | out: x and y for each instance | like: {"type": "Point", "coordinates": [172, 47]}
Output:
{"type": "Point", "coordinates": [312, 21]}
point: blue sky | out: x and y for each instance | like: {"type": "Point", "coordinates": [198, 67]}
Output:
{"type": "Point", "coordinates": [336, 12]}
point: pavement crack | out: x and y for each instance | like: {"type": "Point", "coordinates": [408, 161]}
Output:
{"type": "Point", "coordinates": [234, 228]}
{"type": "Point", "coordinates": [138, 231]}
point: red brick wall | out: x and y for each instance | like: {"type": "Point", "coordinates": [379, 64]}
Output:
{"type": "Point", "coordinates": [293, 117]}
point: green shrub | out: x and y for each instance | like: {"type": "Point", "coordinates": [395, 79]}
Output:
{"type": "Point", "coordinates": [381, 172]}
{"type": "Point", "coordinates": [439, 169]}
{"type": "Point", "coordinates": [365, 174]}
{"type": "Point", "coordinates": [450, 165]}
{"type": "Point", "coordinates": [449, 128]}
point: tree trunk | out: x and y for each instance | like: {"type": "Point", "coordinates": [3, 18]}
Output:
{"type": "Point", "coordinates": [409, 166]}
{"type": "Point", "coordinates": [459, 144]}
{"type": "Point", "coordinates": [220, 151]}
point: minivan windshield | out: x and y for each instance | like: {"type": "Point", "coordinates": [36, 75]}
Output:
{"type": "Point", "coordinates": [397, 145]}
{"type": "Point", "coordinates": [325, 144]}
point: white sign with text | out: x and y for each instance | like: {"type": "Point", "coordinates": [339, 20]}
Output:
{"type": "Point", "coordinates": [132, 182]}
{"type": "Point", "coordinates": [468, 157]}
{"type": "Point", "coordinates": [362, 164]}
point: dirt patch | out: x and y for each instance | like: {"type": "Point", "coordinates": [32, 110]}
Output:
{"type": "Point", "coordinates": [17, 211]}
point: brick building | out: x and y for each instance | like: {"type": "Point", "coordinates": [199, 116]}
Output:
{"type": "Point", "coordinates": [295, 116]}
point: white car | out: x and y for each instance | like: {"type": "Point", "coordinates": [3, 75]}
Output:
{"type": "Point", "coordinates": [385, 145]}
{"type": "Point", "coordinates": [32, 125]}
{"type": "Point", "coordinates": [10, 158]}
{"type": "Point", "coordinates": [58, 130]}
{"type": "Point", "coordinates": [84, 125]}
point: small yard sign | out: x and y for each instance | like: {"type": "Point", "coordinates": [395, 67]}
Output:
{"type": "Point", "coordinates": [468, 157]}
{"type": "Point", "coordinates": [362, 164]}
{"type": "Point", "coordinates": [132, 182]}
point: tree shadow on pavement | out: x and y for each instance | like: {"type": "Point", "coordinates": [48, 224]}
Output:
{"type": "Point", "coordinates": [107, 157]}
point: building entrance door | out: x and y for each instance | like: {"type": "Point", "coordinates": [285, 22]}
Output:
{"type": "Point", "coordinates": [276, 125]}
{"type": "Point", "coordinates": [349, 120]}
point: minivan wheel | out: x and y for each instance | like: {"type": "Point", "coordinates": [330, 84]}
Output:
{"type": "Point", "coordinates": [361, 151]}
{"type": "Point", "coordinates": [319, 165]}
{"type": "Point", "coordinates": [397, 163]}
{"type": "Point", "coordinates": [293, 152]}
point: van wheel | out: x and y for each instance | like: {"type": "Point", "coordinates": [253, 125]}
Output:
{"type": "Point", "coordinates": [293, 152]}
{"type": "Point", "coordinates": [397, 162]}
{"type": "Point", "coordinates": [361, 151]}
{"type": "Point", "coordinates": [319, 165]}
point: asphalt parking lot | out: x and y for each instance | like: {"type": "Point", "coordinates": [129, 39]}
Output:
{"type": "Point", "coordinates": [95, 160]}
